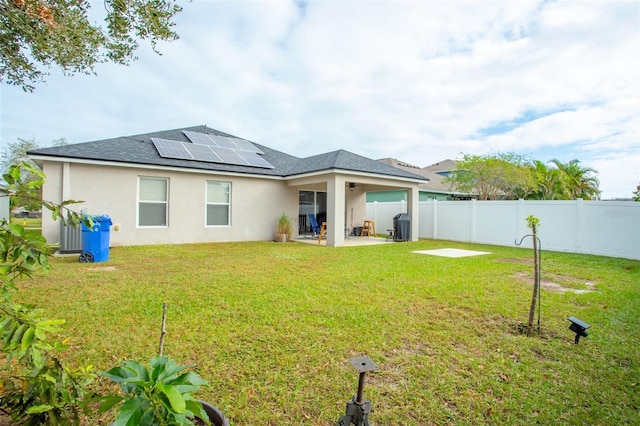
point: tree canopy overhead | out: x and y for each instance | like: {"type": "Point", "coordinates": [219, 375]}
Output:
{"type": "Point", "coordinates": [36, 35]}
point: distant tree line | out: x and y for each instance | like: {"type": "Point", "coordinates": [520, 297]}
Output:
{"type": "Point", "coordinates": [509, 176]}
{"type": "Point", "coordinates": [28, 194]}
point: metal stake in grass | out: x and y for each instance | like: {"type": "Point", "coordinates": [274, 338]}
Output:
{"type": "Point", "coordinates": [357, 411]}
{"type": "Point", "coordinates": [163, 329]}
{"type": "Point", "coordinates": [533, 223]}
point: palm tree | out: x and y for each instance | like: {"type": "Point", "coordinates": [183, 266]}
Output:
{"type": "Point", "coordinates": [545, 182]}
{"type": "Point", "coordinates": [575, 181]}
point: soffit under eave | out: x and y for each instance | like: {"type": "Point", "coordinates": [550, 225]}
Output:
{"type": "Point", "coordinates": [40, 160]}
{"type": "Point", "coordinates": [358, 178]}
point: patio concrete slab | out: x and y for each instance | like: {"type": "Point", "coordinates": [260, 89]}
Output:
{"type": "Point", "coordinates": [348, 242]}
{"type": "Point", "coordinates": [451, 252]}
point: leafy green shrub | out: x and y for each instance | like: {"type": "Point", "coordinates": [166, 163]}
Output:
{"type": "Point", "coordinates": [36, 387]}
{"type": "Point", "coordinates": [156, 393]}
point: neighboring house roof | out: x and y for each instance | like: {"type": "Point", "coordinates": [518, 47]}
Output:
{"type": "Point", "coordinates": [400, 164]}
{"type": "Point", "coordinates": [442, 166]}
{"type": "Point", "coordinates": [139, 149]}
{"type": "Point", "coordinates": [436, 173]}
{"type": "Point", "coordinates": [436, 183]}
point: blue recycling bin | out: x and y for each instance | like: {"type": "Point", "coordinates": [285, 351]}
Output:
{"type": "Point", "coordinates": [95, 240]}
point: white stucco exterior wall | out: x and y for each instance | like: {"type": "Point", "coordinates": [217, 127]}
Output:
{"type": "Point", "coordinates": [355, 213]}
{"type": "Point", "coordinates": [256, 203]}
{"type": "Point", "coordinates": [4, 205]}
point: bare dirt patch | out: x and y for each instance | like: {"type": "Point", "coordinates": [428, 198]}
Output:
{"type": "Point", "coordinates": [102, 268]}
{"type": "Point", "coordinates": [518, 261]}
{"type": "Point", "coordinates": [557, 283]}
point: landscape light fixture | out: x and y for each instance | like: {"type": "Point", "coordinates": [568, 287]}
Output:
{"type": "Point", "coordinates": [579, 327]}
{"type": "Point", "coordinates": [357, 412]}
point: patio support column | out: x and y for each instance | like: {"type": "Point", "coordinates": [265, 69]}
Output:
{"type": "Point", "coordinates": [335, 211]}
{"type": "Point", "coordinates": [413, 208]}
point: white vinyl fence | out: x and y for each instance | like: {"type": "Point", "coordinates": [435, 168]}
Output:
{"type": "Point", "coordinates": [607, 228]}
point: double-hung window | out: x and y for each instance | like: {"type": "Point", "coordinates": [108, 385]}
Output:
{"type": "Point", "coordinates": [218, 203]}
{"type": "Point", "coordinates": [153, 201]}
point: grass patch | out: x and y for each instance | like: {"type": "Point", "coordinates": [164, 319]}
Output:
{"type": "Point", "coordinates": [31, 225]}
{"type": "Point", "coordinates": [27, 221]}
{"type": "Point", "coordinates": [271, 327]}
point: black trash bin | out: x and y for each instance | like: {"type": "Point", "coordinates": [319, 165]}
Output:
{"type": "Point", "coordinates": [401, 227]}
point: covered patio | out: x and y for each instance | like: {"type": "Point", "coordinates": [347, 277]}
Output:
{"type": "Point", "coordinates": [348, 242]}
{"type": "Point", "coordinates": [346, 204]}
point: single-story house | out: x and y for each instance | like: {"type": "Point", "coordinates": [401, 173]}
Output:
{"type": "Point", "coordinates": [198, 184]}
{"type": "Point", "coordinates": [435, 188]}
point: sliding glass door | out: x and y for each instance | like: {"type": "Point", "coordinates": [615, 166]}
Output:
{"type": "Point", "coordinates": [311, 202]}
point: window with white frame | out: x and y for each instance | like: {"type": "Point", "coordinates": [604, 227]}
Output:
{"type": "Point", "coordinates": [153, 201]}
{"type": "Point", "coordinates": [218, 203]}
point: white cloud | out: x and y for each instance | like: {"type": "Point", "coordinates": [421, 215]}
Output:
{"type": "Point", "coordinates": [419, 81]}
{"type": "Point", "coordinates": [619, 174]}
{"type": "Point", "coordinates": [588, 126]}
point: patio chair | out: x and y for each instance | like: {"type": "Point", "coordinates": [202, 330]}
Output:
{"type": "Point", "coordinates": [315, 228]}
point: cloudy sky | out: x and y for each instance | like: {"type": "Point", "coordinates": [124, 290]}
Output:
{"type": "Point", "coordinates": [420, 81]}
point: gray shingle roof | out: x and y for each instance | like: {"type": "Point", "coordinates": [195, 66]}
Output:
{"type": "Point", "coordinates": [345, 160]}
{"type": "Point", "coordinates": [139, 149]}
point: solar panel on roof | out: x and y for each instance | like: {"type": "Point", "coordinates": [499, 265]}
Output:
{"type": "Point", "coordinates": [245, 145]}
{"type": "Point", "coordinates": [223, 141]}
{"type": "Point", "coordinates": [217, 138]}
{"type": "Point", "coordinates": [203, 153]}
{"type": "Point", "coordinates": [171, 149]}
{"type": "Point", "coordinates": [229, 156]}
{"type": "Point", "coordinates": [234, 143]}
{"type": "Point", "coordinates": [226, 143]}
{"type": "Point", "coordinates": [254, 159]}
{"type": "Point", "coordinates": [199, 138]}
{"type": "Point", "coordinates": [211, 153]}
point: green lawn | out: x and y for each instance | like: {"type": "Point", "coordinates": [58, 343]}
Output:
{"type": "Point", "coordinates": [271, 327]}
{"type": "Point", "coordinates": [33, 225]}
